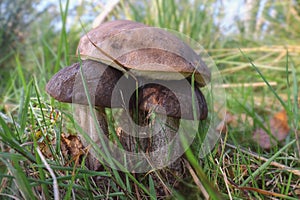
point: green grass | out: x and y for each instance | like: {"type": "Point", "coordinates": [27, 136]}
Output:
{"type": "Point", "coordinates": [234, 169]}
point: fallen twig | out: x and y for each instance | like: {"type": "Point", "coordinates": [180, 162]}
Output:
{"type": "Point", "coordinates": [273, 163]}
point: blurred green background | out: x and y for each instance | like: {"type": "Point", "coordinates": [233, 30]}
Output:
{"type": "Point", "coordinates": [42, 36]}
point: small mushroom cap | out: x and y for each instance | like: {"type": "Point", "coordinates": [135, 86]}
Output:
{"type": "Point", "coordinates": [146, 51]}
{"type": "Point", "coordinates": [67, 86]}
{"type": "Point", "coordinates": [176, 102]}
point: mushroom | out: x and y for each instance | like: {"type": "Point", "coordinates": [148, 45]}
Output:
{"type": "Point", "coordinates": [146, 54]}
{"type": "Point", "coordinates": [67, 86]}
{"type": "Point", "coordinates": [161, 107]}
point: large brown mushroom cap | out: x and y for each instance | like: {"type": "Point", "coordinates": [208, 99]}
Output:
{"type": "Point", "coordinates": [146, 51]}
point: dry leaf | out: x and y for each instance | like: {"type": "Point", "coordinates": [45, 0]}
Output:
{"type": "Point", "coordinates": [71, 145]}
{"type": "Point", "coordinates": [278, 127]}
{"type": "Point", "coordinates": [45, 146]}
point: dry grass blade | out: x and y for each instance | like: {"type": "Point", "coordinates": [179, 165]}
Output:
{"type": "Point", "coordinates": [196, 179]}
{"type": "Point", "coordinates": [225, 179]}
{"type": "Point", "coordinates": [261, 191]}
{"type": "Point", "coordinates": [273, 163]}
{"type": "Point", "coordinates": [10, 196]}
{"type": "Point", "coordinates": [137, 193]}
{"type": "Point", "coordinates": [256, 84]}
{"type": "Point", "coordinates": [271, 48]}
{"type": "Point", "coordinates": [108, 8]}
{"type": "Point", "coordinates": [55, 185]}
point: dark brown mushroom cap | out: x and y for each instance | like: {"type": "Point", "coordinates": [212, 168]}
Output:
{"type": "Point", "coordinates": [67, 86]}
{"type": "Point", "coordinates": [176, 102]}
{"type": "Point", "coordinates": [147, 51]}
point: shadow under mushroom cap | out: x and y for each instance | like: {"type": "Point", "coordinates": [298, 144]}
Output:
{"type": "Point", "coordinates": [176, 102]}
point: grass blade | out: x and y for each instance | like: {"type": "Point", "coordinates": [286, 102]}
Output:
{"type": "Point", "coordinates": [263, 166]}
{"type": "Point", "coordinates": [8, 138]}
{"type": "Point", "coordinates": [212, 191]}
{"type": "Point", "coordinates": [266, 81]}
{"type": "Point", "coordinates": [21, 179]}
{"type": "Point", "coordinates": [152, 188]}
{"type": "Point", "coordinates": [20, 71]}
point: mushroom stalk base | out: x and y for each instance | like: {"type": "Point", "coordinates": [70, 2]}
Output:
{"type": "Point", "coordinates": [164, 151]}
{"type": "Point", "coordinates": [163, 146]}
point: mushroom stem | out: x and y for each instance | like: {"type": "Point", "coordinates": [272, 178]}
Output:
{"type": "Point", "coordinates": [162, 108]}
{"type": "Point", "coordinates": [163, 130]}
{"type": "Point", "coordinates": [128, 133]}
{"type": "Point", "coordinates": [151, 136]}
{"type": "Point", "coordinates": [86, 120]}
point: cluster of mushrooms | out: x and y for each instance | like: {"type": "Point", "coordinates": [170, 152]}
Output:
{"type": "Point", "coordinates": [140, 70]}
